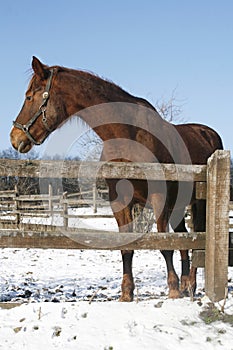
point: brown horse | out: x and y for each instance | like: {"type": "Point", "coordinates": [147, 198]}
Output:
{"type": "Point", "coordinates": [131, 130]}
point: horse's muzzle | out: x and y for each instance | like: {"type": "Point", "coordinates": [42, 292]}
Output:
{"type": "Point", "coordinates": [19, 141]}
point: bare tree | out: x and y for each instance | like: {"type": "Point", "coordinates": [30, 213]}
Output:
{"type": "Point", "coordinates": [171, 109]}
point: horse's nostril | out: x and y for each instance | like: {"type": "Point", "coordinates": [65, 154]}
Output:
{"type": "Point", "coordinates": [20, 146]}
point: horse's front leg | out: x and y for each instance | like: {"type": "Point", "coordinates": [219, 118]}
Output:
{"type": "Point", "coordinates": [123, 216]}
{"type": "Point", "coordinates": [162, 215]}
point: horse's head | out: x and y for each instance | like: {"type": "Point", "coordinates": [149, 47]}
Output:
{"type": "Point", "coordinates": [42, 111]}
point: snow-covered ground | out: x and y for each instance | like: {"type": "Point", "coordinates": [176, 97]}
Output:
{"type": "Point", "coordinates": [69, 300]}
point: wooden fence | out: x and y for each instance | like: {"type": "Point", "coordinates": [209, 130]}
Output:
{"type": "Point", "coordinates": [213, 182]}
{"type": "Point", "coordinates": [16, 208]}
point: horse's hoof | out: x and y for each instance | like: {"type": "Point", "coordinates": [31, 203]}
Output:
{"type": "Point", "coordinates": [174, 294]}
{"type": "Point", "coordinates": [173, 285]}
{"type": "Point", "coordinates": [127, 288]}
{"type": "Point", "coordinates": [185, 285]}
{"type": "Point", "coordinates": [187, 288]}
{"type": "Point", "coordinates": [126, 298]}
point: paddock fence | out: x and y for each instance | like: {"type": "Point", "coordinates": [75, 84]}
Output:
{"type": "Point", "coordinates": [210, 248]}
{"type": "Point", "coordinates": [16, 208]}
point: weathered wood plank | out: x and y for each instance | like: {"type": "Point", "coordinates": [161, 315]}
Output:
{"type": "Point", "coordinates": [217, 224]}
{"type": "Point", "coordinates": [200, 190]}
{"type": "Point", "coordinates": [90, 170]}
{"type": "Point", "coordinates": [91, 239]}
{"type": "Point", "coordinates": [198, 258]}
{"type": "Point", "coordinates": [90, 216]}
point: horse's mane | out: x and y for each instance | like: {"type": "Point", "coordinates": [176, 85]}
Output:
{"type": "Point", "coordinates": [107, 84]}
{"type": "Point", "coordinates": [87, 75]}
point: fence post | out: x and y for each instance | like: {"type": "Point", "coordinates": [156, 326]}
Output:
{"type": "Point", "coordinates": [94, 190]}
{"type": "Point", "coordinates": [17, 206]}
{"type": "Point", "coordinates": [50, 200]}
{"type": "Point", "coordinates": [217, 224]}
{"type": "Point", "coordinates": [65, 210]}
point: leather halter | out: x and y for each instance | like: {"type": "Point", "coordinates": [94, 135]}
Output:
{"type": "Point", "coordinates": [42, 109]}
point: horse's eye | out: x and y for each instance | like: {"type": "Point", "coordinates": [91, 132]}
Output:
{"type": "Point", "coordinates": [28, 98]}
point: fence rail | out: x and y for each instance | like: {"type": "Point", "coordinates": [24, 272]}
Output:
{"type": "Point", "coordinates": [110, 170]}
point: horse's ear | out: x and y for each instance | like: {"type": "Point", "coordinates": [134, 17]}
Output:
{"type": "Point", "coordinates": [39, 68]}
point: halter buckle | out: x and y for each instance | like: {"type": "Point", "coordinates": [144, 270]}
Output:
{"type": "Point", "coordinates": [45, 95]}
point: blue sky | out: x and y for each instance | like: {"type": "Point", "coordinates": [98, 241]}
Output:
{"type": "Point", "coordinates": [148, 47]}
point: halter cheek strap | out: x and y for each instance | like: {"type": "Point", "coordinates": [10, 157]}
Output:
{"type": "Point", "coordinates": [42, 109]}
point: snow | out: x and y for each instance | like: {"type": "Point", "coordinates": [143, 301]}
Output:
{"type": "Point", "coordinates": [68, 299]}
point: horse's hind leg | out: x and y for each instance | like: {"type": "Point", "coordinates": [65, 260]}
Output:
{"type": "Point", "coordinates": [199, 225]}
{"type": "Point", "coordinates": [178, 224]}
{"type": "Point", "coordinates": [162, 216]}
{"type": "Point", "coordinates": [172, 278]}
{"type": "Point", "coordinates": [185, 285]}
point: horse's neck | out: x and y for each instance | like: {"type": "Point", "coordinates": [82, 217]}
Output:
{"type": "Point", "coordinates": [86, 90]}
{"type": "Point", "coordinates": [111, 111]}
